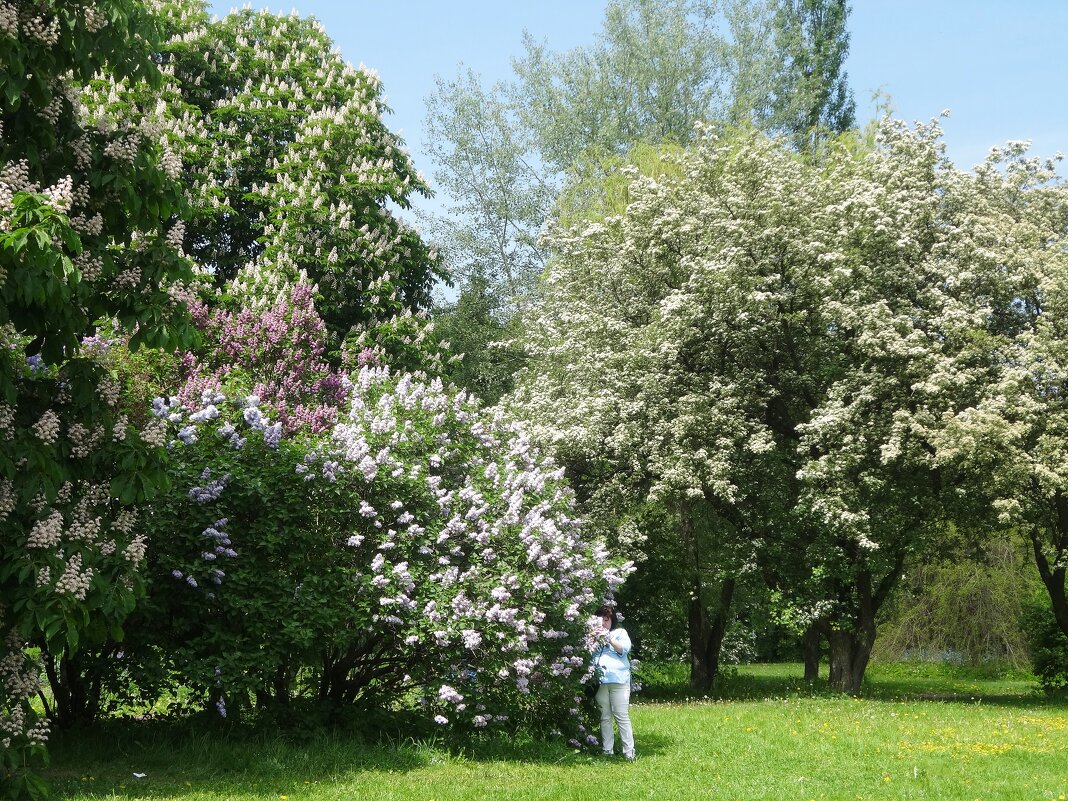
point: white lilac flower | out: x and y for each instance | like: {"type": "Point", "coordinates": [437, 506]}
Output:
{"type": "Point", "coordinates": [447, 693]}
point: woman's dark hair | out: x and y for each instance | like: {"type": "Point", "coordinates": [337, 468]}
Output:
{"type": "Point", "coordinates": [605, 609]}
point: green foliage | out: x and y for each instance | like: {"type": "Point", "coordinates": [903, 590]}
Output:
{"type": "Point", "coordinates": [479, 331]}
{"type": "Point", "coordinates": [600, 188]}
{"type": "Point", "coordinates": [1048, 644]}
{"type": "Point", "coordinates": [655, 609]}
{"type": "Point", "coordinates": [963, 608]}
{"type": "Point", "coordinates": [808, 96]}
{"type": "Point", "coordinates": [655, 69]}
{"type": "Point", "coordinates": [499, 196]}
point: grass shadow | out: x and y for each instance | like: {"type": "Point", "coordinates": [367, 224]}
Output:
{"type": "Point", "coordinates": [198, 757]}
{"type": "Point", "coordinates": [178, 757]}
{"type": "Point", "coordinates": [892, 683]}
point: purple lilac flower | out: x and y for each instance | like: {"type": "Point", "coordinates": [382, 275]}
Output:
{"type": "Point", "coordinates": [210, 492]}
{"type": "Point", "coordinates": [447, 693]}
{"type": "Point", "coordinates": [472, 639]}
{"type": "Point", "coordinates": [272, 435]}
{"type": "Point", "coordinates": [254, 418]}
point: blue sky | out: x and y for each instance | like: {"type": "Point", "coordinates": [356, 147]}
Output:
{"type": "Point", "coordinates": [1000, 66]}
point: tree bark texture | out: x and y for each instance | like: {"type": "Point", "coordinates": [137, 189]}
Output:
{"type": "Point", "coordinates": [812, 639]}
{"type": "Point", "coordinates": [852, 643]}
{"type": "Point", "coordinates": [706, 629]}
{"type": "Point", "coordinates": [1053, 575]}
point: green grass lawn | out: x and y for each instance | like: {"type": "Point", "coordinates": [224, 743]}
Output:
{"type": "Point", "coordinates": [917, 733]}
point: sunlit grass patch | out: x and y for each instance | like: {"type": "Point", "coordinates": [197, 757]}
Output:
{"type": "Point", "coordinates": [796, 741]}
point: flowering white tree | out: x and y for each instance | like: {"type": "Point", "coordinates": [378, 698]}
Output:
{"type": "Point", "coordinates": [86, 205]}
{"type": "Point", "coordinates": [654, 352]}
{"type": "Point", "coordinates": [289, 169]}
{"type": "Point", "coordinates": [1011, 443]}
{"type": "Point", "coordinates": [779, 342]}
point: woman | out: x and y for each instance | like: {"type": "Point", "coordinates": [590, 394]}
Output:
{"type": "Point", "coordinates": [613, 696]}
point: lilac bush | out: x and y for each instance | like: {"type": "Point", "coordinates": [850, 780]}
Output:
{"type": "Point", "coordinates": [272, 349]}
{"type": "Point", "coordinates": [416, 552]}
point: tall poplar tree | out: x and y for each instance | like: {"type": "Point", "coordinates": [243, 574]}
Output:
{"type": "Point", "coordinates": [810, 95]}
{"type": "Point", "coordinates": [505, 153]}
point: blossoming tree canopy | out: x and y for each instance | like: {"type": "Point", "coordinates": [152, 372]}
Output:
{"type": "Point", "coordinates": [87, 243]}
{"type": "Point", "coordinates": [288, 165]}
{"type": "Point", "coordinates": [750, 314]}
{"type": "Point", "coordinates": [418, 544]}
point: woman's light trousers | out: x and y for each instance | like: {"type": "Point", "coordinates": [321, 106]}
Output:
{"type": "Point", "coordinates": [614, 701]}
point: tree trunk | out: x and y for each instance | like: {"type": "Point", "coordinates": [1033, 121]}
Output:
{"type": "Point", "coordinates": [705, 631]}
{"type": "Point", "coordinates": [851, 648]}
{"type": "Point", "coordinates": [75, 689]}
{"type": "Point", "coordinates": [849, 659]}
{"type": "Point", "coordinates": [1053, 575]}
{"type": "Point", "coordinates": [706, 636]}
{"type": "Point", "coordinates": [812, 640]}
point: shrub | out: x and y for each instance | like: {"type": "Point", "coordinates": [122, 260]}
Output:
{"type": "Point", "coordinates": [1048, 644]}
{"type": "Point", "coordinates": [415, 553]}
